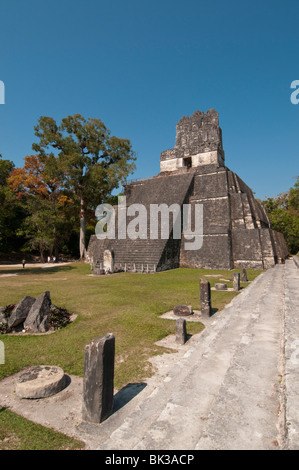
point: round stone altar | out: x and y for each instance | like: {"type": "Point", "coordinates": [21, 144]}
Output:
{"type": "Point", "coordinates": [40, 382]}
{"type": "Point", "coordinates": [183, 310]}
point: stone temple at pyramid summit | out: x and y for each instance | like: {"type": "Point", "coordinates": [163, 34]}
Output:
{"type": "Point", "coordinates": [235, 230]}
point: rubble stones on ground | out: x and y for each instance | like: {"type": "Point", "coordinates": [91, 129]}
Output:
{"type": "Point", "coordinates": [38, 317]}
{"type": "Point", "coordinates": [33, 316]}
{"type": "Point", "coordinates": [20, 312]}
{"type": "Point", "coordinates": [2, 317]}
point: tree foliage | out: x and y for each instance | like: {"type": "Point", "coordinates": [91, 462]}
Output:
{"type": "Point", "coordinates": [92, 162]}
{"type": "Point", "coordinates": [284, 215]}
{"type": "Point", "coordinates": [38, 186]}
{"type": "Point", "coordinates": [12, 213]}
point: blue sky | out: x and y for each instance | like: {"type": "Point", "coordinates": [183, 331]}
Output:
{"type": "Point", "coordinates": [142, 65]}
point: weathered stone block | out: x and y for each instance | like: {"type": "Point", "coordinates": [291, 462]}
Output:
{"type": "Point", "coordinates": [183, 310]}
{"type": "Point", "coordinates": [20, 312]}
{"type": "Point", "coordinates": [244, 275]}
{"type": "Point", "coordinates": [220, 286]}
{"type": "Point", "coordinates": [98, 380]}
{"type": "Point", "coordinates": [205, 298]}
{"type": "Point", "coordinates": [38, 316]}
{"type": "Point", "coordinates": [181, 331]}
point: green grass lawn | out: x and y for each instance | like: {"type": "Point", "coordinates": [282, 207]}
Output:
{"type": "Point", "coordinates": [125, 304]}
{"type": "Point", "coordinates": [17, 433]}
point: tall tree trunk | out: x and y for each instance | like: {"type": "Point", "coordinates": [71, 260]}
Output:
{"type": "Point", "coordinates": [41, 251]}
{"type": "Point", "coordinates": [82, 246]}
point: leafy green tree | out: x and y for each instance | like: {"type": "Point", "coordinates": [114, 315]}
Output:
{"type": "Point", "coordinates": [284, 215]}
{"type": "Point", "coordinates": [12, 213]}
{"type": "Point", "coordinates": [37, 228]}
{"type": "Point", "coordinates": [6, 167]}
{"type": "Point", "coordinates": [38, 186]}
{"type": "Point", "coordinates": [93, 162]}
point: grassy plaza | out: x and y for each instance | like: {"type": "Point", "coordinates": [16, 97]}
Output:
{"type": "Point", "coordinates": [128, 305]}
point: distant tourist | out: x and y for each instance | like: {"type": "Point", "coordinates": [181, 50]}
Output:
{"type": "Point", "coordinates": [23, 263]}
{"type": "Point", "coordinates": [54, 259]}
{"type": "Point", "coordinates": [49, 259]}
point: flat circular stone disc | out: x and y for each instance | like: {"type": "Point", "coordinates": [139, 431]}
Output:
{"type": "Point", "coordinates": [40, 382]}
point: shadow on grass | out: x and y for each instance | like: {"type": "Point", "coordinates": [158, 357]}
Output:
{"type": "Point", "coordinates": [126, 394]}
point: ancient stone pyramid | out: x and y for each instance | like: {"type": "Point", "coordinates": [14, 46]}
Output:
{"type": "Point", "coordinates": [236, 229]}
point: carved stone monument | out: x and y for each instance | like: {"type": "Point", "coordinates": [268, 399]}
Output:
{"type": "Point", "coordinates": [108, 262]}
{"type": "Point", "coordinates": [244, 275]}
{"type": "Point", "coordinates": [205, 298]}
{"type": "Point", "coordinates": [98, 380]}
{"type": "Point", "coordinates": [236, 281]}
{"type": "Point", "coordinates": [181, 331]}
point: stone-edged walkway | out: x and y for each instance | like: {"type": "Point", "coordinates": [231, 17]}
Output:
{"type": "Point", "coordinates": [234, 386]}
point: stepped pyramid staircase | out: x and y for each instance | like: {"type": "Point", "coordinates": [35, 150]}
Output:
{"type": "Point", "coordinates": [146, 255]}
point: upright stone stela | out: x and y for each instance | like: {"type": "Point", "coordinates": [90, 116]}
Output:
{"type": "Point", "coordinates": [205, 297]}
{"type": "Point", "coordinates": [236, 281]}
{"type": "Point", "coordinates": [244, 275]}
{"type": "Point", "coordinates": [98, 380]}
{"type": "Point", "coordinates": [236, 228]}
{"type": "Point", "coordinates": [181, 331]}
